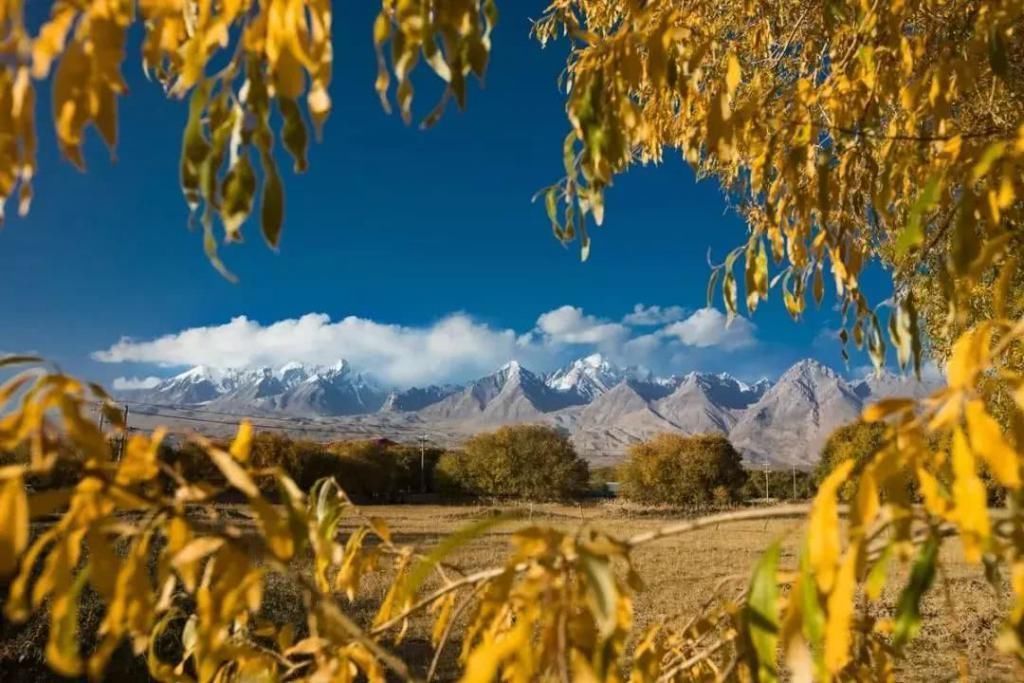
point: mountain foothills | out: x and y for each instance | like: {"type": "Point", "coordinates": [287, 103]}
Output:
{"type": "Point", "coordinates": [604, 407]}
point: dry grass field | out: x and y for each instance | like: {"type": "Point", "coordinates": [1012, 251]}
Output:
{"type": "Point", "coordinates": [961, 613]}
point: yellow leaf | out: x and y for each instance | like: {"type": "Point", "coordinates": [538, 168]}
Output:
{"type": "Point", "coordinates": [733, 73]}
{"type": "Point", "coordinates": [931, 492]}
{"type": "Point", "coordinates": [276, 529]}
{"type": "Point", "coordinates": [233, 472]}
{"type": "Point", "coordinates": [970, 499]}
{"type": "Point", "coordinates": [62, 644]}
{"type": "Point", "coordinates": [139, 462]}
{"type": "Point", "coordinates": [987, 440]}
{"type": "Point", "coordinates": [823, 527]}
{"type": "Point", "coordinates": [196, 550]}
{"type": "Point", "coordinates": [968, 356]}
{"type": "Point", "coordinates": [866, 504]}
{"type": "Point", "coordinates": [444, 614]}
{"type": "Point", "coordinates": [13, 524]}
{"type": "Point", "coordinates": [838, 632]}
{"type": "Point", "coordinates": [242, 445]}
{"type": "Point", "coordinates": [485, 661]}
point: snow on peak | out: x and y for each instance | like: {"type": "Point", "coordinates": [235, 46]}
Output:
{"type": "Point", "coordinates": [200, 373]}
{"type": "Point", "coordinates": [511, 367]}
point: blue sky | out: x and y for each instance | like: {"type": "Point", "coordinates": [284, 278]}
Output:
{"type": "Point", "coordinates": [413, 233]}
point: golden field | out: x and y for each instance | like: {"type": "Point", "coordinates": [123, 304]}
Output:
{"type": "Point", "coordinates": [961, 612]}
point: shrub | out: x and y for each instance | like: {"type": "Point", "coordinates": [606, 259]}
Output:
{"type": "Point", "coordinates": [671, 469]}
{"type": "Point", "coordinates": [532, 462]}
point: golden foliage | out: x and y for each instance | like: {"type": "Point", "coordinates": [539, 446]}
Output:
{"type": "Point", "coordinates": [844, 132]}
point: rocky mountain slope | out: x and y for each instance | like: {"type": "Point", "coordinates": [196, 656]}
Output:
{"type": "Point", "coordinates": [603, 407]}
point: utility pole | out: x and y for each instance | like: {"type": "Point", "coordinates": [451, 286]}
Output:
{"type": "Point", "coordinates": [794, 481]}
{"type": "Point", "coordinates": [766, 497]}
{"type": "Point", "coordinates": [124, 434]}
{"type": "Point", "coordinates": [423, 463]}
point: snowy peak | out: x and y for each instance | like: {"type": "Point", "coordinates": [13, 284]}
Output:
{"type": "Point", "coordinates": [591, 376]}
{"type": "Point", "coordinates": [293, 388]}
{"type": "Point", "coordinates": [588, 377]}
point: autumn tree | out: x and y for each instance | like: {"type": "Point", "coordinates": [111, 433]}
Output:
{"type": "Point", "coordinates": [530, 462]}
{"type": "Point", "coordinates": [672, 469]}
{"type": "Point", "coordinates": [856, 442]}
{"type": "Point", "coordinates": [844, 133]}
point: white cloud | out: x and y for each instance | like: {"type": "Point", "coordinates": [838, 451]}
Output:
{"type": "Point", "coordinates": [452, 349]}
{"type": "Point", "coordinates": [129, 383]}
{"type": "Point", "coordinates": [709, 327]}
{"type": "Point", "coordinates": [570, 325]}
{"type": "Point", "coordinates": [654, 315]}
{"type": "Point", "coordinates": [455, 347]}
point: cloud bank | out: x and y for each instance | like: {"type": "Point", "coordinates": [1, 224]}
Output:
{"type": "Point", "coordinates": [454, 348]}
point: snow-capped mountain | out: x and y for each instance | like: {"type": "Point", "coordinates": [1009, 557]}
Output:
{"type": "Point", "coordinates": [294, 388]}
{"type": "Point", "coordinates": [510, 394]}
{"type": "Point", "coordinates": [587, 377]}
{"type": "Point", "coordinates": [594, 375]}
{"type": "Point", "coordinates": [603, 407]}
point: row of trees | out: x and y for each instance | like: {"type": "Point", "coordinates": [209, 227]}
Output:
{"type": "Point", "coordinates": [534, 462]}
{"type": "Point", "coordinates": [368, 470]}
{"type": "Point", "coordinates": [529, 462]}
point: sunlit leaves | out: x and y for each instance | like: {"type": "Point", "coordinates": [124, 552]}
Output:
{"type": "Point", "coordinates": [453, 38]}
{"type": "Point", "coordinates": [14, 527]}
{"type": "Point", "coordinates": [280, 52]}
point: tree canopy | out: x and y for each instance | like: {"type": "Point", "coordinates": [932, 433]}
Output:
{"type": "Point", "coordinates": [531, 462]}
{"type": "Point", "coordinates": [685, 471]}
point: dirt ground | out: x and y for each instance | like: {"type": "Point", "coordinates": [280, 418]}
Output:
{"type": "Point", "coordinates": [961, 614]}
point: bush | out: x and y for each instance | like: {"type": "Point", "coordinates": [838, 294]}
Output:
{"type": "Point", "coordinates": [671, 469]}
{"type": "Point", "coordinates": [531, 462]}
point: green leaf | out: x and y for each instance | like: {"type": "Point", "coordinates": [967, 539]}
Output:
{"type": "Point", "coordinates": [997, 58]}
{"type": "Point", "coordinates": [272, 206]}
{"type": "Point", "coordinates": [912, 236]}
{"type": "Point", "coordinates": [293, 132]}
{"type": "Point", "coordinates": [194, 146]}
{"type": "Point", "coordinates": [813, 621]}
{"type": "Point", "coordinates": [762, 614]}
{"type": "Point", "coordinates": [908, 608]}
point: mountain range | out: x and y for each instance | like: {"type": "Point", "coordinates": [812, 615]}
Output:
{"type": "Point", "coordinates": [603, 407]}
